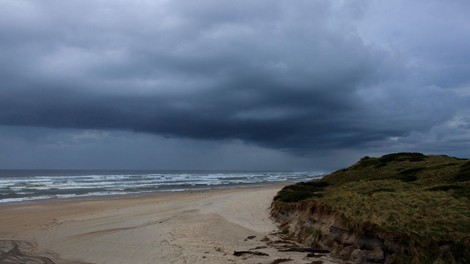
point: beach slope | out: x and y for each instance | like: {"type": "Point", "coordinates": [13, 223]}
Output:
{"type": "Point", "coordinates": [200, 227]}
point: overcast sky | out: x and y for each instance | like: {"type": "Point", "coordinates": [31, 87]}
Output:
{"type": "Point", "coordinates": [215, 84]}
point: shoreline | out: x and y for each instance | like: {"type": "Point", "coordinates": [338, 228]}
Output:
{"type": "Point", "coordinates": [183, 227]}
{"type": "Point", "coordinates": [150, 193]}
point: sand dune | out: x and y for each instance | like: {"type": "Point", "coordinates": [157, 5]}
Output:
{"type": "Point", "coordinates": [202, 227]}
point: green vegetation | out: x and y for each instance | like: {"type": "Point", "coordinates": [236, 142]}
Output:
{"type": "Point", "coordinates": [464, 173]}
{"type": "Point", "coordinates": [301, 191]}
{"type": "Point", "coordinates": [422, 201]}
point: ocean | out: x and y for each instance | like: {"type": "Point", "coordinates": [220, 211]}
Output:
{"type": "Point", "coordinates": [30, 185]}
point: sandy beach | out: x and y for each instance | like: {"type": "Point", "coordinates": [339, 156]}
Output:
{"type": "Point", "coordinates": [198, 227]}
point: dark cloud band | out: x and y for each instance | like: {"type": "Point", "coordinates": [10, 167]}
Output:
{"type": "Point", "coordinates": [296, 77]}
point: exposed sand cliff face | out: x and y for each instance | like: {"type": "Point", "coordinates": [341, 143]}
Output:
{"type": "Point", "coordinates": [399, 208]}
{"type": "Point", "coordinates": [319, 225]}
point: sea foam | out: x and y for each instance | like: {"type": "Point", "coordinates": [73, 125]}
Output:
{"type": "Point", "coordinates": [18, 185]}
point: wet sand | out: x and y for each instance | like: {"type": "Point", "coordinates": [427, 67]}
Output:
{"type": "Point", "coordinates": [200, 227]}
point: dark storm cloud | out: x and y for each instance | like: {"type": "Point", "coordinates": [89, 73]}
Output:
{"type": "Point", "coordinates": [291, 76]}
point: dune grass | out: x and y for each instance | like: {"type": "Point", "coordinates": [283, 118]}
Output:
{"type": "Point", "coordinates": [424, 200]}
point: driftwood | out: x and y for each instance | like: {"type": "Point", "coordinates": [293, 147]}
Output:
{"type": "Point", "coordinates": [241, 253]}
{"type": "Point", "coordinates": [303, 249]}
{"type": "Point", "coordinates": [258, 247]}
{"type": "Point", "coordinates": [277, 261]}
{"type": "Point", "coordinates": [282, 242]}
{"type": "Point", "coordinates": [265, 239]}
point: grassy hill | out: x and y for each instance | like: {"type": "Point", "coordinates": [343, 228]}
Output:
{"type": "Point", "coordinates": [417, 205]}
